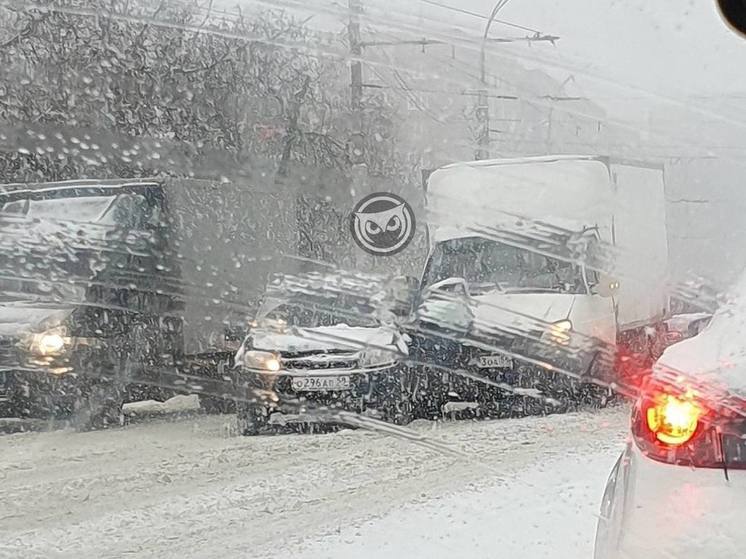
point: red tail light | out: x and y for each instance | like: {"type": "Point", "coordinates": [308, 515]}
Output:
{"type": "Point", "coordinates": [677, 426]}
{"type": "Point", "coordinates": [672, 419]}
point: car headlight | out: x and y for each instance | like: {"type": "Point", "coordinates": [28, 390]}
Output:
{"type": "Point", "coordinates": [376, 356]}
{"type": "Point", "coordinates": [49, 343]}
{"type": "Point", "coordinates": [263, 360]}
{"type": "Point", "coordinates": [559, 332]}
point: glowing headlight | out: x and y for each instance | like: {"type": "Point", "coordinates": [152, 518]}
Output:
{"type": "Point", "coordinates": [264, 360]}
{"type": "Point", "coordinates": [52, 342]}
{"type": "Point", "coordinates": [374, 356]}
{"type": "Point", "coordinates": [559, 332]}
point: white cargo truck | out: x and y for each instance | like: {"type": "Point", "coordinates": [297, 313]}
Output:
{"type": "Point", "coordinates": [537, 265]}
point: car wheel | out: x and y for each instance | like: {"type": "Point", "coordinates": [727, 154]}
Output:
{"type": "Point", "coordinates": [397, 401]}
{"type": "Point", "coordinates": [252, 418]}
{"type": "Point", "coordinates": [592, 394]}
{"type": "Point", "coordinates": [399, 412]}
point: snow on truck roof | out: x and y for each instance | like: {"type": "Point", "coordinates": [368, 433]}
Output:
{"type": "Point", "coordinates": [72, 185]}
{"type": "Point", "coordinates": [521, 160]}
{"type": "Point", "coordinates": [571, 192]}
{"type": "Point", "coordinates": [605, 159]}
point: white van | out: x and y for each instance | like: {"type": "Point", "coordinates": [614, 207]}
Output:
{"type": "Point", "coordinates": [540, 264]}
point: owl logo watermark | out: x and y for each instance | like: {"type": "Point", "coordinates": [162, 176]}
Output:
{"type": "Point", "coordinates": [382, 224]}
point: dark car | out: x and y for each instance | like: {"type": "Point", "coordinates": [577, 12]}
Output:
{"type": "Point", "coordinates": [307, 357]}
{"type": "Point", "coordinates": [88, 298]}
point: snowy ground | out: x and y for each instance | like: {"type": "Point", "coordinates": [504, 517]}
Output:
{"type": "Point", "coordinates": [188, 487]}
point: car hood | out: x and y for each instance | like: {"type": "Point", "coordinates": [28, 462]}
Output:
{"type": "Point", "coordinates": [325, 338]}
{"type": "Point", "coordinates": [17, 318]}
{"type": "Point", "coordinates": [519, 311]}
{"type": "Point", "coordinates": [716, 355]}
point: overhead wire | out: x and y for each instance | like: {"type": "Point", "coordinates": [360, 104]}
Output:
{"type": "Point", "coordinates": [480, 16]}
{"type": "Point", "coordinates": [317, 50]}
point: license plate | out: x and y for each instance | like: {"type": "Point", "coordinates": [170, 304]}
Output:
{"type": "Point", "coordinates": [494, 362]}
{"type": "Point", "coordinates": [321, 384]}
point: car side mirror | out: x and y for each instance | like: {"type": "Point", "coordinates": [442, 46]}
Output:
{"type": "Point", "coordinates": [607, 286]}
{"type": "Point", "coordinates": [696, 327]}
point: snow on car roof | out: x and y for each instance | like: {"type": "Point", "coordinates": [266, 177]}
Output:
{"type": "Point", "coordinates": [339, 336]}
{"type": "Point", "coordinates": [718, 353]}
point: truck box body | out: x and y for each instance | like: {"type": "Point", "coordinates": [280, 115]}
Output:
{"type": "Point", "coordinates": [640, 236]}
{"type": "Point", "coordinates": [231, 238]}
{"type": "Point", "coordinates": [537, 199]}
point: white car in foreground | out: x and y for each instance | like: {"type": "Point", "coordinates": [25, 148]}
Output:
{"type": "Point", "coordinates": [679, 488]}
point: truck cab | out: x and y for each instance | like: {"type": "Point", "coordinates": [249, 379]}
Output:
{"type": "Point", "coordinates": [89, 301]}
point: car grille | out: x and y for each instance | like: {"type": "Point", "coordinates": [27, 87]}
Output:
{"type": "Point", "coordinates": [320, 361]}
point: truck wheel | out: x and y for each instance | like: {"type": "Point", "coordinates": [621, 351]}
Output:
{"type": "Point", "coordinates": [100, 406]}
{"type": "Point", "coordinates": [101, 397]}
{"type": "Point", "coordinates": [252, 418]}
{"type": "Point", "coordinates": [597, 395]}
{"type": "Point", "coordinates": [214, 405]}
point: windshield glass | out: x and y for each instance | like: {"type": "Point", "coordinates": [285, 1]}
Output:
{"type": "Point", "coordinates": [306, 315]}
{"type": "Point", "coordinates": [125, 210]}
{"type": "Point", "coordinates": [486, 264]}
{"type": "Point", "coordinates": [360, 279]}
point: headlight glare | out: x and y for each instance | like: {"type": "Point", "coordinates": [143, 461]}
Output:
{"type": "Point", "coordinates": [559, 332]}
{"type": "Point", "coordinates": [263, 360]}
{"type": "Point", "coordinates": [49, 343]}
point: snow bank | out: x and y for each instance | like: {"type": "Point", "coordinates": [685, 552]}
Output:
{"type": "Point", "coordinates": [176, 404]}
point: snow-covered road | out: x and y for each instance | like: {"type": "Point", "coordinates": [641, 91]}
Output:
{"type": "Point", "coordinates": [189, 487]}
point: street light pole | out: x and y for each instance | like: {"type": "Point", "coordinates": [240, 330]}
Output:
{"type": "Point", "coordinates": [483, 100]}
{"type": "Point", "coordinates": [483, 51]}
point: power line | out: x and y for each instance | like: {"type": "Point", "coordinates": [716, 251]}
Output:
{"type": "Point", "coordinates": [444, 91]}
{"type": "Point", "coordinates": [536, 38]}
{"type": "Point", "coordinates": [480, 16]}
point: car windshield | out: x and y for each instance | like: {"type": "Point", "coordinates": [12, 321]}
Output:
{"type": "Point", "coordinates": [86, 223]}
{"type": "Point", "coordinates": [124, 210]}
{"type": "Point", "coordinates": [350, 279]}
{"type": "Point", "coordinates": [487, 264]}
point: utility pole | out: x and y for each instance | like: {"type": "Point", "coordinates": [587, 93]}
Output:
{"type": "Point", "coordinates": [356, 144]}
{"type": "Point", "coordinates": [356, 52]}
